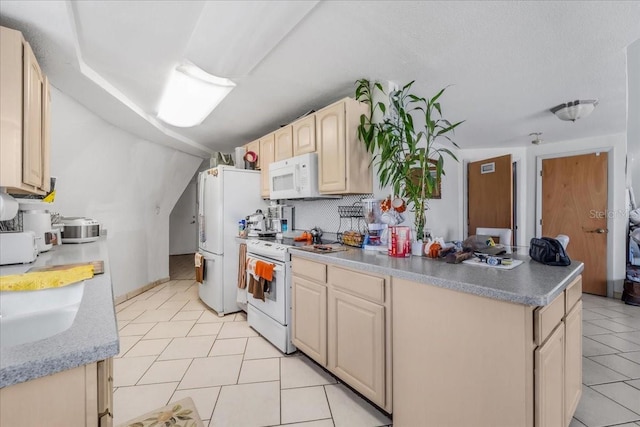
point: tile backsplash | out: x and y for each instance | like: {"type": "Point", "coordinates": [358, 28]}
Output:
{"type": "Point", "coordinates": [323, 213]}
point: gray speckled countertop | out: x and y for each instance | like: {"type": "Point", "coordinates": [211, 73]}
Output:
{"type": "Point", "coordinates": [93, 335]}
{"type": "Point", "coordinates": [530, 283]}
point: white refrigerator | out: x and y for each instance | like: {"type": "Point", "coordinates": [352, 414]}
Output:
{"type": "Point", "coordinates": [225, 196]}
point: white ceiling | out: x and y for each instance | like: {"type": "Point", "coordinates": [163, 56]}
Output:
{"type": "Point", "coordinates": [507, 62]}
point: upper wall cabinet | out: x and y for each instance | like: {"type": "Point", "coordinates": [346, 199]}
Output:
{"type": "Point", "coordinates": [304, 135]}
{"type": "Point", "coordinates": [284, 143]}
{"type": "Point", "coordinates": [267, 151]}
{"type": "Point", "coordinates": [24, 117]}
{"type": "Point", "coordinates": [343, 160]}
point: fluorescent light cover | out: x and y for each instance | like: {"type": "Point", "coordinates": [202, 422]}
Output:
{"type": "Point", "coordinates": [191, 95]}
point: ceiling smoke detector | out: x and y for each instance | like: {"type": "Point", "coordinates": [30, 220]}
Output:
{"type": "Point", "coordinates": [536, 138]}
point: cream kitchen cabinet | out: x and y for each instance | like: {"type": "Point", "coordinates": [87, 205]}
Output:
{"type": "Point", "coordinates": [343, 161]}
{"type": "Point", "coordinates": [573, 361]}
{"type": "Point", "coordinates": [310, 318]}
{"type": "Point", "coordinates": [255, 147]}
{"type": "Point", "coordinates": [283, 143]}
{"type": "Point", "coordinates": [504, 363]}
{"type": "Point", "coordinates": [25, 117]}
{"type": "Point", "coordinates": [341, 319]}
{"type": "Point", "coordinates": [267, 153]}
{"type": "Point", "coordinates": [81, 396]}
{"type": "Point", "coordinates": [304, 135]}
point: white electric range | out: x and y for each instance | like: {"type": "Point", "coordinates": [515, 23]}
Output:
{"type": "Point", "coordinates": [272, 317]}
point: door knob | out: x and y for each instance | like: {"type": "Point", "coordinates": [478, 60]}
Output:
{"type": "Point", "coordinates": [597, 230]}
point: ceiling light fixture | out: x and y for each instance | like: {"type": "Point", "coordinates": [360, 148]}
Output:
{"type": "Point", "coordinates": [191, 95]}
{"type": "Point", "coordinates": [572, 111]}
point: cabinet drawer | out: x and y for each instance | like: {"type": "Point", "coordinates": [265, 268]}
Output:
{"type": "Point", "coordinates": [545, 319]}
{"type": "Point", "coordinates": [573, 293]}
{"type": "Point", "coordinates": [309, 269]}
{"type": "Point", "coordinates": [356, 283]}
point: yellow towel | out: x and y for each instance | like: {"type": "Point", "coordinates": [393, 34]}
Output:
{"type": "Point", "coordinates": [45, 279]}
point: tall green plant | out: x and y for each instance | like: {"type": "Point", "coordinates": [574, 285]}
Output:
{"type": "Point", "coordinates": [401, 152]}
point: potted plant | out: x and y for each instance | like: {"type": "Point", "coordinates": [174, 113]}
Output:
{"type": "Point", "coordinates": [408, 158]}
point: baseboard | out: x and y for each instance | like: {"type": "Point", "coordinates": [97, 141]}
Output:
{"type": "Point", "coordinates": [617, 295]}
{"type": "Point", "coordinates": [122, 298]}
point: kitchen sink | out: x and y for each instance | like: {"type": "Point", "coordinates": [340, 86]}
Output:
{"type": "Point", "coordinates": [27, 316]}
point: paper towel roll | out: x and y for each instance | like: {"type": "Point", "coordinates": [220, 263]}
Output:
{"type": "Point", "coordinates": [8, 207]}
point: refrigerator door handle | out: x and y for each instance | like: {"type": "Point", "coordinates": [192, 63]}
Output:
{"type": "Point", "coordinates": [202, 232]}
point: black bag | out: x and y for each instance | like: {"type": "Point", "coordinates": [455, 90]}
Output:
{"type": "Point", "coordinates": [548, 251]}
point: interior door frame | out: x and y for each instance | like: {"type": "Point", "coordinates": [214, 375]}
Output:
{"type": "Point", "coordinates": [610, 205]}
{"type": "Point", "coordinates": [519, 226]}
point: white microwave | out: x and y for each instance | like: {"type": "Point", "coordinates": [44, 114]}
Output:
{"type": "Point", "coordinates": [295, 178]}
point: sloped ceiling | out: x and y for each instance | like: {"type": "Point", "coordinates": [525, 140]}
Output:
{"type": "Point", "coordinates": [507, 62]}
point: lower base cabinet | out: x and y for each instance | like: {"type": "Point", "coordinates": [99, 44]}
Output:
{"type": "Point", "coordinates": [357, 350]}
{"type": "Point", "coordinates": [341, 319]}
{"type": "Point", "coordinates": [310, 318]}
{"type": "Point", "coordinates": [77, 397]}
{"type": "Point", "coordinates": [466, 360]}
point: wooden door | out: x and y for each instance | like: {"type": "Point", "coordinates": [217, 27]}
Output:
{"type": "Point", "coordinates": [267, 152]}
{"type": "Point", "coordinates": [309, 324]}
{"type": "Point", "coordinates": [304, 135]}
{"type": "Point", "coordinates": [356, 344]}
{"type": "Point", "coordinates": [490, 194]}
{"type": "Point", "coordinates": [283, 143]}
{"type": "Point", "coordinates": [331, 142]}
{"type": "Point", "coordinates": [32, 138]}
{"type": "Point", "coordinates": [549, 381]}
{"type": "Point", "coordinates": [574, 203]}
{"type": "Point", "coordinates": [573, 361]}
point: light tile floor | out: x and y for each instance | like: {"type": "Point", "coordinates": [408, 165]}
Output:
{"type": "Point", "coordinates": [610, 364]}
{"type": "Point", "coordinates": [173, 346]}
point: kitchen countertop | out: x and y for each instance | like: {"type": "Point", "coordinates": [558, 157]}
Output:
{"type": "Point", "coordinates": [530, 283]}
{"type": "Point", "coordinates": [93, 336]}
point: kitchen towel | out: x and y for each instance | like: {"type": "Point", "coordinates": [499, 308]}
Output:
{"type": "Point", "coordinates": [199, 265]}
{"type": "Point", "coordinates": [257, 287]}
{"type": "Point", "coordinates": [242, 266]}
{"type": "Point", "coordinates": [265, 270]}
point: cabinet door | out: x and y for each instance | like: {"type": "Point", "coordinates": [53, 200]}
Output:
{"type": "Point", "coordinates": [304, 135]}
{"type": "Point", "coordinates": [573, 361]}
{"type": "Point", "coordinates": [105, 390]}
{"type": "Point", "coordinates": [309, 312]}
{"type": "Point", "coordinates": [255, 147]}
{"type": "Point", "coordinates": [549, 381]}
{"type": "Point", "coordinates": [330, 137]}
{"type": "Point", "coordinates": [46, 130]}
{"type": "Point", "coordinates": [356, 344]}
{"type": "Point", "coordinates": [284, 143]}
{"type": "Point", "coordinates": [267, 153]}
{"type": "Point", "coordinates": [32, 137]}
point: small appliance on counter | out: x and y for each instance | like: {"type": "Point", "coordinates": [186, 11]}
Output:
{"type": "Point", "coordinates": [279, 218]}
{"type": "Point", "coordinates": [37, 218]}
{"type": "Point", "coordinates": [18, 247]}
{"type": "Point", "coordinates": [79, 230]}
{"type": "Point", "coordinates": [255, 223]}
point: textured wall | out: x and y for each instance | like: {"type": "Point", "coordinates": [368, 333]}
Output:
{"type": "Point", "coordinates": [128, 184]}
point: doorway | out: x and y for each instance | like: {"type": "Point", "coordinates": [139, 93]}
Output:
{"type": "Point", "coordinates": [491, 194]}
{"type": "Point", "coordinates": [574, 200]}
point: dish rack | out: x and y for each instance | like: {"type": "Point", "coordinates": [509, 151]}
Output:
{"type": "Point", "coordinates": [353, 216]}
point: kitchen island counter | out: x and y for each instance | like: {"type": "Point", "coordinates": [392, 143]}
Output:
{"type": "Point", "coordinates": [530, 283]}
{"type": "Point", "coordinates": [92, 337]}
